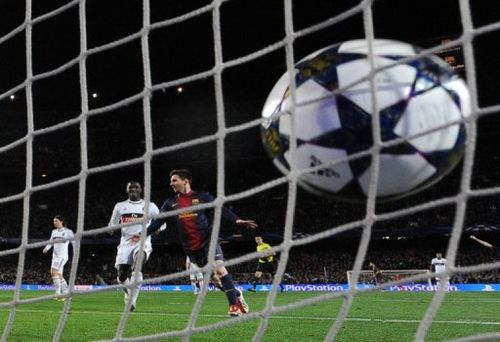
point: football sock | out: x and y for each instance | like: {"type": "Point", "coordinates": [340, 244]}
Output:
{"type": "Point", "coordinates": [57, 284]}
{"type": "Point", "coordinates": [228, 286]}
{"type": "Point", "coordinates": [255, 282]}
{"type": "Point", "coordinates": [194, 286]}
{"type": "Point", "coordinates": [134, 291]}
{"type": "Point", "coordinates": [64, 286]}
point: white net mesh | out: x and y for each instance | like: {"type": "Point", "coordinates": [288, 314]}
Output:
{"type": "Point", "coordinates": [71, 118]}
{"type": "Point", "coordinates": [385, 276]}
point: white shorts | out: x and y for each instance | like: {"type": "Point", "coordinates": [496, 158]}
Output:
{"type": "Point", "coordinates": [197, 275]}
{"type": "Point", "coordinates": [126, 252]}
{"type": "Point", "coordinates": [58, 263]}
{"type": "Point", "coordinates": [446, 278]}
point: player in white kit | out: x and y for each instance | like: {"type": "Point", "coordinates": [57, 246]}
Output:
{"type": "Point", "coordinates": [59, 254]}
{"type": "Point", "coordinates": [196, 278]}
{"type": "Point", "coordinates": [439, 265]}
{"type": "Point", "coordinates": [127, 212]}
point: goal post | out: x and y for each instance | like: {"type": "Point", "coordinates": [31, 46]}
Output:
{"type": "Point", "coordinates": [366, 276]}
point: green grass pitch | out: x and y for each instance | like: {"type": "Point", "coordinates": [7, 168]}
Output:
{"type": "Point", "coordinates": [378, 316]}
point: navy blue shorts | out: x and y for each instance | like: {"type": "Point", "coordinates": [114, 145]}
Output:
{"type": "Point", "coordinates": [200, 257]}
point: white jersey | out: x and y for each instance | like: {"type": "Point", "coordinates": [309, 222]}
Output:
{"type": "Point", "coordinates": [439, 264]}
{"type": "Point", "coordinates": [129, 212]}
{"type": "Point", "coordinates": [60, 248]}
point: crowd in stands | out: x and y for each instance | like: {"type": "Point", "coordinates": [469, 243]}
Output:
{"type": "Point", "coordinates": [313, 214]}
{"type": "Point", "coordinates": [327, 262]}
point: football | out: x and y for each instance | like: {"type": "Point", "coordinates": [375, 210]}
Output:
{"type": "Point", "coordinates": [421, 105]}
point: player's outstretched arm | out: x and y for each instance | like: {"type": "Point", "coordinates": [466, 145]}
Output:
{"type": "Point", "coordinates": [159, 224]}
{"type": "Point", "coordinates": [47, 248]}
{"type": "Point", "coordinates": [227, 214]}
{"type": "Point", "coordinates": [49, 245]}
{"type": "Point", "coordinates": [249, 224]}
{"type": "Point", "coordinates": [114, 220]}
{"type": "Point", "coordinates": [136, 237]}
{"type": "Point", "coordinates": [481, 242]}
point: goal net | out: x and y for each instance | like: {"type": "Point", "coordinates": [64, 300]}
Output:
{"type": "Point", "coordinates": [96, 93]}
{"type": "Point", "coordinates": [366, 277]}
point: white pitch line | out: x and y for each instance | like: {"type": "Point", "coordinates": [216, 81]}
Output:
{"type": "Point", "coordinates": [446, 301]}
{"type": "Point", "coordinates": [417, 321]}
{"type": "Point", "coordinates": [353, 319]}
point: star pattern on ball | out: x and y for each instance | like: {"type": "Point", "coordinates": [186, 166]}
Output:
{"type": "Point", "coordinates": [341, 123]}
{"type": "Point", "coordinates": [355, 133]}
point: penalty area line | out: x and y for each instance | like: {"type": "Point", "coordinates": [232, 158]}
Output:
{"type": "Point", "coordinates": [300, 318]}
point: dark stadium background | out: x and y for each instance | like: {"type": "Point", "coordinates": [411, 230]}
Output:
{"type": "Point", "coordinates": [187, 48]}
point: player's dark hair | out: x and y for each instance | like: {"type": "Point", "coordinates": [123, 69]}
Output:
{"type": "Point", "coordinates": [61, 218]}
{"type": "Point", "coordinates": [133, 181]}
{"type": "Point", "coordinates": [182, 173]}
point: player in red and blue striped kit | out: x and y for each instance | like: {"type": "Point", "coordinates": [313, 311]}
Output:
{"type": "Point", "coordinates": [195, 229]}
